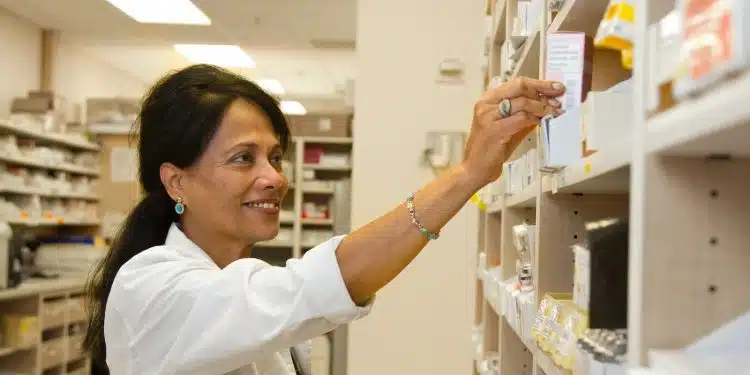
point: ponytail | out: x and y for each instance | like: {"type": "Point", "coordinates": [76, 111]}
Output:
{"type": "Point", "coordinates": [146, 226]}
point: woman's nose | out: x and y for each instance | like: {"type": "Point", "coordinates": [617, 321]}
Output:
{"type": "Point", "coordinates": [272, 178]}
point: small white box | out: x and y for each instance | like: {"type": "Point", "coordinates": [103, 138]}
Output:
{"type": "Point", "coordinates": [570, 61]}
{"type": "Point", "coordinates": [561, 139]}
{"type": "Point", "coordinates": [607, 118]}
{"type": "Point", "coordinates": [581, 273]}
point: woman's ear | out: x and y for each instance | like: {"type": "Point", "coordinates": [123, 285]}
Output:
{"type": "Point", "coordinates": [172, 178]}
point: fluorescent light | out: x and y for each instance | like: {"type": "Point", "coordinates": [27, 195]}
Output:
{"type": "Point", "coordinates": [162, 11]}
{"type": "Point", "coordinates": [221, 55]}
{"type": "Point", "coordinates": [291, 107]}
{"type": "Point", "coordinates": [271, 85]}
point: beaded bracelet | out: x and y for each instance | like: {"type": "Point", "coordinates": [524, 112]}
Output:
{"type": "Point", "coordinates": [413, 217]}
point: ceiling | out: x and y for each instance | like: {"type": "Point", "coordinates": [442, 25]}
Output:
{"type": "Point", "coordinates": [308, 45]}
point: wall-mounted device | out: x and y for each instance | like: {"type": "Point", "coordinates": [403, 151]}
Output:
{"type": "Point", "coordinates": [451, 70]}
{"type": "Point", "coordinates": [444, 149]}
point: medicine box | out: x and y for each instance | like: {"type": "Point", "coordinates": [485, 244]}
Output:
{"type": "Point", "coordinates": [570, 61]}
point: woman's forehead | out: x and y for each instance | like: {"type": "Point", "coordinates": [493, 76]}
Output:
{"type": "Point", "coordinates": [245, 122]}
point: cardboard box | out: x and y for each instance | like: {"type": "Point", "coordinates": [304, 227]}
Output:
{"type": "Point", "coordinates": [39, 102]}
{"type": "Point", "coordinates": [320, 125]}
{"type": "Point", "coordinates": [31, 105]}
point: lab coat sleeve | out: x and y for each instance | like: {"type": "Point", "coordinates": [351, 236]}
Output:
{"type": "Point", "coordinates": [215, 321]}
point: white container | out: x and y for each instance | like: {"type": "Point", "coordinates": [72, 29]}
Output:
{"type": "Point", "coordinates": [5, 235]}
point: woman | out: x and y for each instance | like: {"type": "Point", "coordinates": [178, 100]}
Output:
{"type": "Point", "coordinates": [178, 292]}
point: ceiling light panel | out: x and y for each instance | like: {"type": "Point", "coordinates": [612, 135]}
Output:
{"type": "Point", "coordinates": [271, 85]}
{"type": "Point", "coordinates": [182, 12]}
{"type": "Point", "coordinates": [291, 107]}
{"type": "Point", "coordinates": [222, 55]}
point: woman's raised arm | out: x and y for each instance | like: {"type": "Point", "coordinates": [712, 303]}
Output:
{"type": "Point", "coordinates": [375, 254]}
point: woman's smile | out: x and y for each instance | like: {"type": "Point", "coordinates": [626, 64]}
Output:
{"type": "Point", "coordinates": [265, 206]}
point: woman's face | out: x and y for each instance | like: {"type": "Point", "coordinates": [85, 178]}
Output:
{"type": "Point", "coordinates": [236, 188]}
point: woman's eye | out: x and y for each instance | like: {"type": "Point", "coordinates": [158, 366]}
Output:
{"type": "Point", "coordinates": [277, 159]}
{"type": "Point", "coordinates": [245, 157]}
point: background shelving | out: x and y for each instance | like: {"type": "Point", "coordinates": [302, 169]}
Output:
{"type": "Point", "coordinates": [675, 170]}
{"type": "Point", "coordinates": [317, 204]}
{"type": "Point", "coordinates": [317, 207]}
{"type": "Point", "coordinates": [49, 194]}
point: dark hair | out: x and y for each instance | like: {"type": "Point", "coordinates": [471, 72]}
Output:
{"type": "Point", "coordinates": [178, 119]}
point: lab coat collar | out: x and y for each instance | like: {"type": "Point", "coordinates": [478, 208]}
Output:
{"type": "Point", "coordinates": [180, 242]}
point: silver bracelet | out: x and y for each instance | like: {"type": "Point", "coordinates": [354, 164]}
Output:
{"type": "Point", "coordinates": [413, 217]}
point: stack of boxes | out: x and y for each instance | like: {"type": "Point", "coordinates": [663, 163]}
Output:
{"type": "Point", "coordinates": [45, 111]}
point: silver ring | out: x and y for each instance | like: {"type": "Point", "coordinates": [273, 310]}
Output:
{"type": "Point", "coordinates": [505, 108]}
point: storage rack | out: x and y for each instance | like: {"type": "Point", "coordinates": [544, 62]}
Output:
{"type": "Point", "coordinates": [336, 193]}
{"type": "Point", "coordinates": [299, 193]}
{"type": "Point", "coordinates": [73, 143]}
{"type": "Point", "coordinates": [50, 313]}
{"type": "Point", "coordinates": [54, 318]}
{"type": "Point", "coordinates": [680, 177]}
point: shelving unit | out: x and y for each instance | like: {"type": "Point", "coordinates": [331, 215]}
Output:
{"type": "Point", "coordinates": [329, 186]}
{"type": "Point", "coordinates": [679, 176]}
{"type": "Point", "coordinates": [48, 191]}
{"type": "Point", "coordinates": [49, 320]}
{"type": "Point", "coordinates": [324, 189]}
{"type": "Point", "coordinates": [19, 165]}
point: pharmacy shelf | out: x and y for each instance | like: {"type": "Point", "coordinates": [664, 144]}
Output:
{"type": "Point", "coordinates": [326, 140]}
{"type": "Point", "coordinates": [321, 167]}
{"type": "Point", "coordinates": [53, 222]}
{"type": "Point", "coordinates": [548, 366]}
{"type": "Point", "coordinates": [679, 176]}
{"type": "Point", "coordinates": [30, 162]}
{"type": "Point", "coordinates": [496, 207]}
{"type": "Point", "coordinates": [35, 287]}
{"type": "Point", "coordinates": [48, 194]}
{"type": "Point", "coordinates": [286, 221]}
{"type": "Point", "coordinates": [714, 123]}
{"type": "Point", "coordinates": [498, 28]}
{"type": "Point", "coordinates": [528, 59]}
{"type": "Point", "coordinates": [517, 41]}
{"type": "Point", "coordinates": [46, 311]}
{"type": "Point", "coordinates": [526, 198]}
{"type": "Point", "coordinates": [517, 335]}
{"type": "Point", "coordinates": [309, 221]}
{"type": "Point", "coordinates": [318, 190]}
{"type": "Point", "coordinates": [579, 15]}
{"type": "Point", "coordinates": [72, 141]}
{"type": "Point", "coordinates": [320, 193]}
{"type": "Point", "coordinates": [276, 244]}
{"type": "Point", "coordinates": [603, 172]}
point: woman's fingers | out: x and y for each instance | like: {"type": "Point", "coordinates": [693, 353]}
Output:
{"type": "Point", "coordinates": [528, 87]}
{"type": "Point", "coordinates": [536, 107]}
{"type": "Point", "coordinates": [515, 123]}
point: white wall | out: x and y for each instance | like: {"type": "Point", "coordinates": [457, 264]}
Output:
{"type": "Point", "coordinates": [78, 75]}
{"type": "Point", "coordinates": [421, 322]}
{"type": "Point", "coordinates": [20, 59]}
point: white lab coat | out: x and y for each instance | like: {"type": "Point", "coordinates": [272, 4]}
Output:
{"type": "Point", "coordinates": [173, 311]}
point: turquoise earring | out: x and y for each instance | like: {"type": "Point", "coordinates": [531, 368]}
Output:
{"type": "Point", "coordinates": [179, 207]}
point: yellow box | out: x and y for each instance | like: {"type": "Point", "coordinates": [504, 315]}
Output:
{"type": "Point", "coordinates": [20, 331]}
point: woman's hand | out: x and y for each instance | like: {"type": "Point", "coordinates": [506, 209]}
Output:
{"type": "Point", "coordinates": [493, 137]}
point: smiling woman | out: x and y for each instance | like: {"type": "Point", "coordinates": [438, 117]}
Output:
{"type": "Point", "coordinates": [233, 191]}
{"type": "Point", "coordinates": [178, 293]}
